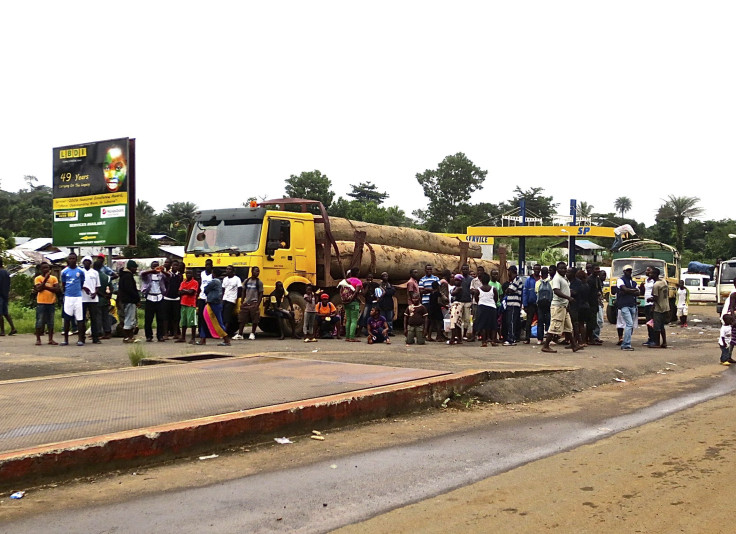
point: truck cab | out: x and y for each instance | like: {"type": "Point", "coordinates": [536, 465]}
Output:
{"type": "Point", "coordinates": [280, 243]}
{"type": "Point", "coordinates": [725, 276]}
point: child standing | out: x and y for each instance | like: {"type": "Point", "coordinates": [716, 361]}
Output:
{"type": "Point", "coordinates": [725, 340]}
{"type": "Point", "coordinates": [456, 312]}
{"type": "Point", "coordinates": [310, 314]}
{"type": "Point", "coordinates": [415, 321]}
{"type": "Point", "coordinates": [683, 300]}
{"type": "Point", "coordinates": [188, 290]}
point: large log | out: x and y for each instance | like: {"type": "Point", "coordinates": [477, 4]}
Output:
{"type": "Point", "coordinates": [344, 230]}
{"type": "Point", "coordinates": [398, 261]}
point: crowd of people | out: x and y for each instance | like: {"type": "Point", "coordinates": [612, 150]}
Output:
{"type": "Point", "coordinates": [554, 304]}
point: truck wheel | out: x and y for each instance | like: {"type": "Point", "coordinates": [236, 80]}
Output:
{"type": "Point", "coordinates": [300, 307]}
{"type": "Point", "coordinates": [268, 325]}
{"type": "Point", "coordinates": [611, 313]}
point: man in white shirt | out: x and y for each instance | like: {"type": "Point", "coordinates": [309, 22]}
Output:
{"type": "Point", "coordinates": [155, 283]}
{"type": "Point", "coordinates": [90, 288]}
{"type": "Point", "coordinates": [560, 323]}
{"type": "Point", "coordinates": [231, 287]}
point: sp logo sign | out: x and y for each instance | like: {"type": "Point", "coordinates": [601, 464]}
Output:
{"type": "Point", "coordinates": [583, 230]}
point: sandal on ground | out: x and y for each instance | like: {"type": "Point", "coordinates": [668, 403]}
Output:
{"type": "Point", "coordinates": [52, 342]}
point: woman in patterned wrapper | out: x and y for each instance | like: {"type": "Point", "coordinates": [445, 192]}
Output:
{"type": "Point", "coordinates": [114, 168]}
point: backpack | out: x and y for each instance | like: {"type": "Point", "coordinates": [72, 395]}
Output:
{"type": "Point", "coordinates": [347, 294]}
{"type": "Point", "coordinates": [544, 296]}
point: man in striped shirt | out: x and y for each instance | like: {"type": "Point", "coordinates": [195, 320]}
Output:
{"type": "Point", "coordinates": [513, 306]}
{"type": "Point", "coordinates": [425, 284]}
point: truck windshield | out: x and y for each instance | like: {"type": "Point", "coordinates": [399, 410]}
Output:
{"type": "Point", "coordinates": [728, 272]}
{"type": "Point", "coordinates": [238, 235]}
{"type": "Point", "coordinates": [639, 264]}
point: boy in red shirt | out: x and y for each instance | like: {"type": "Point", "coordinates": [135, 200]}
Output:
{"type": "Point", "coordinates": [188, 290]}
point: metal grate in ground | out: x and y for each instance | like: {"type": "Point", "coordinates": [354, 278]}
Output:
{"type": "Point", "coordinates": [48, 410]}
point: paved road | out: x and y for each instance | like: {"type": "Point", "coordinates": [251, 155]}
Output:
{"type": "Point", "coordinates": [19, 358]}
{"type": "Point", "coordinates": [324, 495]}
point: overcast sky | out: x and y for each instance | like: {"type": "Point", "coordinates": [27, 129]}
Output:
{"type": "Point", "coordinates": [590, 100]}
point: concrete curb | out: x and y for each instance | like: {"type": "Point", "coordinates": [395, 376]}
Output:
{"type": "Point", "coordinates": [157, 443]}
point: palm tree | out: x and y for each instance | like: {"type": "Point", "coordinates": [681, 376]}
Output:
{"type": "Point", "coordinates": [145, 217]}
{"type": "Point", "coordinates": [622, 205]}
{"type": "Point", "coordinates": [584, 209]}
{"type": "Point", "coordinates": [678, 209]}
{"type": "Point", "coordinates": [181, 213]}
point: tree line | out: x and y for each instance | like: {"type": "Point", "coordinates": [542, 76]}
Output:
{"type": "Point", "coordinates": [449, 187]}
{"type": "Point", "coordinates": [448, 190]}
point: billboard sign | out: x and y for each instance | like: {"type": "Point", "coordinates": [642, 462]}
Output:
{"type": "Point", "coordinates": [94, 194]}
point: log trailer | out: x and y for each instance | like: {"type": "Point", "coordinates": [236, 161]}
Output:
{"type": "Point", "coordinates": [300, 248]}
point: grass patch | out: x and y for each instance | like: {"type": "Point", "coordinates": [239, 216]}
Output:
{"type": "Point", "coordinates": [136, 354]}
{"type": "Point", "coordinates": [24, 318]}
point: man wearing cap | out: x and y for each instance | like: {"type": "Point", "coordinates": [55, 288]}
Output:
{"type": "Point", "coordinates": [626, 295]}
{"type": "Point", "coordinates": [90, 301]}
{"type": "Point", "coordinates": [105, 269]}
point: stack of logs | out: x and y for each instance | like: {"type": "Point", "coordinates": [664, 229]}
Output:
{"type": "Point", "coordinates": [397, 250]}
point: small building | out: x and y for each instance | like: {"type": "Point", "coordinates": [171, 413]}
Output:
{"type": "Point", "coordinates": [163, 240]}
{"type": "Point", "coordinates": [585, 250]}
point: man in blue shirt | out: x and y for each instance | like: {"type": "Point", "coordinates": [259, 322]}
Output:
{"type": "Point", "coordinates": [72, 280]}
{"type": "Point", "coordinates": [627, 293]}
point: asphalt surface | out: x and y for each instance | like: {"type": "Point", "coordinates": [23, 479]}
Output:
{"type": "Point", "coordinates": [20, 358]}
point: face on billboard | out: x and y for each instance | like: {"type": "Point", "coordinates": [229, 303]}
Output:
{"type": "Point", "coordinates": [114, 168]}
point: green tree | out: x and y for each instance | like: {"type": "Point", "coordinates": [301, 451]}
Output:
{"type": "Point", "coordinates": [146, 247]}
{"type": "Point", "coordinates": [369, 212]}
{"type": "Point", "coordinates": [312, 185]}
{"type": "Point", "coordinates": [448, 188]}
{"type": "Point", "coordinates": [622, 205]}
{"type": "Point", "coordinates": [27, 212]}
{"type": "Point", "coordinates": [367, 192]}
{"type": "Point", "coordinates": [145, 217]}
{"type": "Point", "coordinates": [677, 209]}
{"type": "Point", "coordinates": [176, 219]}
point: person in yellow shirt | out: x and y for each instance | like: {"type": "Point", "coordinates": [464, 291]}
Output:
{"type": "Point", "coordinates": [46, 286]}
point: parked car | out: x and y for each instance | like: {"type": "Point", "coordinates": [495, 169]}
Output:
{"type": "Point", "coordinates": [701, 287]}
